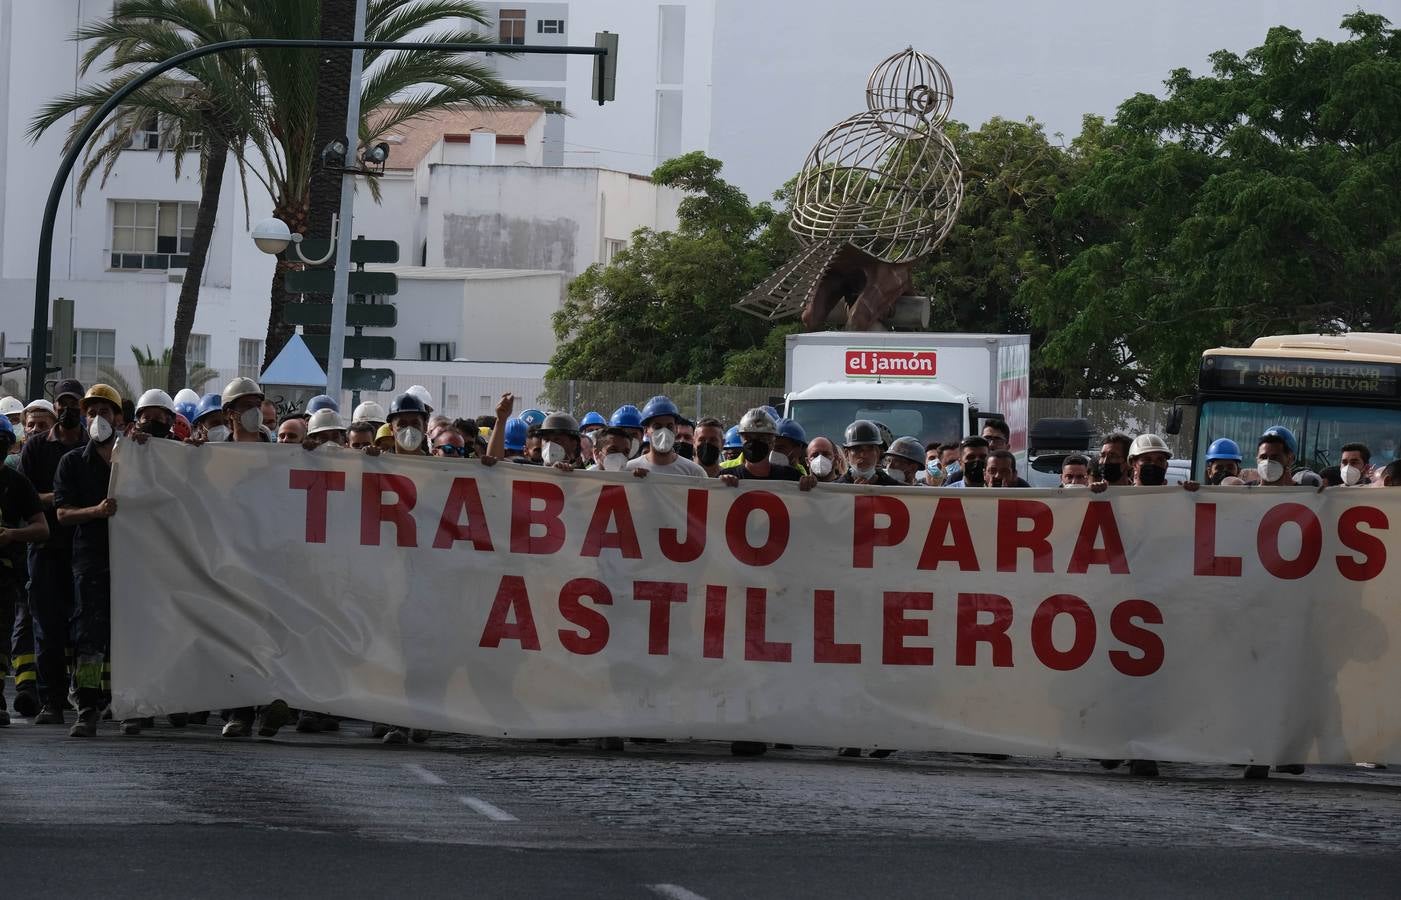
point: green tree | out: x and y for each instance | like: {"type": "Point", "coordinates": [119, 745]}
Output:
{"type": "Point", "coordinates": [1258, 199]}
{"type": "Point", "coordinates": [153, 372]}
{"type": "Point", "coordinates": [661, 311]}
{"type": "Point", "coordinates": [270, 95]}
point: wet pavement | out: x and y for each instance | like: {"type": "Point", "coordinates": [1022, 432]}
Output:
{"type": "Point", "coordinates": [186, 812]}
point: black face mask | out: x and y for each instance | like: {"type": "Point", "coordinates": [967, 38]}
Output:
{"type": "Point", "coordinates": [69, 418]}
{"type": "Point", "coordinates": [974, 471]}
{"type": "Point", "coordinates": [707, 454]}
{"type": "Point", "coordinates": [1218, 477]}
{"type": "Point", "coordinates": [1151, 475]}
{"type": "Point", "coordinates": [1112, 472]}
{"type": "Point", "coordinates": [684, 449]}
{"type": "Point", "coordinates": [756, 451]}
{"type": "Point", "coordinates": [156, 429]}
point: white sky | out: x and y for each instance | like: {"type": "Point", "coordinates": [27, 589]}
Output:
{"type": "Point", "coordinates": [781, 80]}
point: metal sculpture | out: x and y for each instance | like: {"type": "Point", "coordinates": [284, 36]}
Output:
{"type": "Point", "coordinates": [877, 193]}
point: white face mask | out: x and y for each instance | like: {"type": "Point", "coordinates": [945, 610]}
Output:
{"type": "Point", "coordinates": [821, 466]}
{"type": "Point", "coordinates": [663, 439]}
{"type": "Point", "coordinates": [217, 433]}
{"type": "Point", "coordinates": [100, 430]}
{"type": "Point", "coordinates": [409, 438]}
{"type": "Point", "coordinates": [863, 473]}
{"type": "Point", "coordinates": [552, 453]}
{"type": "Point", "coordinates": [1071, 487]}
{"type": "Point", "coordinates": [777, 459]}
{"type": "Point", "coordinates": [1270, 470]}
{"type": "Point", "coordinates": [1351, 475]}
{"type": "Point", "coordinates": [614, 462]}
{"type": "Point", "coordinates": [250, 420]}
{"type": "Point", "coordinates": [634, 448]}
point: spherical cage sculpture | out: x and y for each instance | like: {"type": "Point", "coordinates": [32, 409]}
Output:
{"type": "Point", "coordinates": [911, 82]}
{"type": "Point", "coordinates": [887, 182]}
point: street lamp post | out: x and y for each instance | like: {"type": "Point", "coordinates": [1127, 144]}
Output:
{"type": "Point", "coordinates": [605, 59]}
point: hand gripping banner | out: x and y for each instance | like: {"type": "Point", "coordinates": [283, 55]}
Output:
{"type": "Point", "coordinates": [1226, 625]}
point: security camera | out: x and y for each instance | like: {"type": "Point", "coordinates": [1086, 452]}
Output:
{"type": "Point", "coordinates": [333, 156]}
{"type": "Point", "coordinates": [377, 155]}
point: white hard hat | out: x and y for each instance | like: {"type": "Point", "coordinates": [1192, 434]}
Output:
{"type": "Point", "coordinates": [10, 406]}
{"type": "Point", "coordinates": [185, 395]}
{"type": "Point", "coordinates": [42, 406]}
{"type": "Point", "coordinates": [1148, 443]}
{"type": "Point", "coordinates": [758, 421]}
{"type": "Point", "coordinates": [156, 397]}
{"type": "Point", "coordinates": [240, 387]}
{"type": "Point", "coordinates": [324, 420]}
{"type": "Point", "coordinates": [420, 392]}
{"type": "Point", "coordinates": [369, 411]}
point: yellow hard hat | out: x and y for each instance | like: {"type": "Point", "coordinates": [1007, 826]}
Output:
{"type": "Point", "coordinates": [101, 392]}
{"type": "Point", "coordinates": [385, 431]}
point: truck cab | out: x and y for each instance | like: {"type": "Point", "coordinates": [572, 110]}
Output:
{"type": "Point", "coordinates": [930, 412]}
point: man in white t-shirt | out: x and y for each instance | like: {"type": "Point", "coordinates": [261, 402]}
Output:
{"type": "Point", "coordinates": [659, 419]}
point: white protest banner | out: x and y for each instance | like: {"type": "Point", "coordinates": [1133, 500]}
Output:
{"type": "Point", "coordinates": [1225, 625]}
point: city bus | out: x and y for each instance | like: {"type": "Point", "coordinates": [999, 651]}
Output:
{"type": "Point", "coordinates": [1329, 390]}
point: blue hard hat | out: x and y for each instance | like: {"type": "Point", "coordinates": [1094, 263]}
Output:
{"type": "Point", "coordinates": [188, 410]}
{"type": "Point", "coordinates": [792, 430]}
{"type": "Point", "coordinates": [732, 441]}
{"type": "Point", "coordinates": [320, 402]}
{"type": "Point", "coordinates": [6, 428]}
{"type": "Point", "coordinates": [1284, 434]}
{"type": "Point", "coordinates": [592, 418]}
{"type": "Point", "coordinates": [772, 412]}
{"type": "Point", "coordinates": [516, 432]}
{"type": "Point", "coordinates": [209, 403]}
{"type": "Point", "coordinates": [626, 416]}
{"type": "Point", "coordinates": [532, 418]}
{"type": "Point", "coordinates": [659, 406]}
{"type": "Point", "coordinates": [1223, 448]}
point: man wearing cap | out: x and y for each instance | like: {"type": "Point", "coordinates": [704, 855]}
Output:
{"type": "Point", "coordinates": [80, 498]}
{"type": "Point", "coordinates": [660, 419]}
{"type": "Point", "coordinates": [51, 600]}
{"type": "Point", "coordinates": [39, 418]}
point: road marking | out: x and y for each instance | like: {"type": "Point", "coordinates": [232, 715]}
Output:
{"type": "Point", "coordinates": [494, 813]}
{"type": "Point", "coordinates": [424, 774]}
{"type": "Point", "coordinates": [1269, 836]}
{"type": "Point", "coordinates": [673, 892]}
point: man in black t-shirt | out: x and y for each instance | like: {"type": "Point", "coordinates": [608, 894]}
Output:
{"type": "Point", "coordinates": [21, 521]}
{"type": "Point", "coordinates": [758, 431]}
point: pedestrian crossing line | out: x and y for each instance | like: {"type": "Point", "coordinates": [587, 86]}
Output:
{"type": "Point", "coordinates": [494, 813]}
{"type": "Point", "coordinates": [424, 774]}
{"type": "Point", "coordinates": [673, 892]}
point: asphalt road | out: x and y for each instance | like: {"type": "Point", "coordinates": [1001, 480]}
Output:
{"type": "Point", "coordinates": [179, 813]}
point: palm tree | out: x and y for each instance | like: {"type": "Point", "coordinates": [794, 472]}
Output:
{"type": "Point", "coordinates": [266, 99]}
{"type": "Point", "coordinates": [153, 371]}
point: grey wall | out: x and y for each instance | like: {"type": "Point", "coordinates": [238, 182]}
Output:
{"type": "Point", "coordinates": [497, 241]}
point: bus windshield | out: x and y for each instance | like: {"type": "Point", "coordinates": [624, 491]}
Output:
{"type": "Point", "coordinates": [1321, 430]}
{"type": "Point", "coordinates": [924, 419]}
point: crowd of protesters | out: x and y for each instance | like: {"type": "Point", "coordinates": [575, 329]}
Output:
{"type": "Point", "coordinates": [55, 579]}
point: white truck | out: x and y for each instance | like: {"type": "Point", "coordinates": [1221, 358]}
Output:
{"type": "Point", "coordinates": [936, 387]}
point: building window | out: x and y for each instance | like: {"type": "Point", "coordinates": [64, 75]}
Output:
{"type": "Point", "coordinates": [197, 351]}
{"type": "Point", "coordinates": [250, 357]}
{"type": "Point", "coordinates": [93, 350]}
{"type": "Point", "coordinates": [147, 136]}
{"type": "Point", "coordinates": [436, 352]}
{"type": "Point", "coordinates": [151, 234]}
{"type": "Point", "coordinates": [512, 25]}
{"type": "Point", "coordinates": [612, 248]}
{"type": "Point", "coordinates": [549, 26]}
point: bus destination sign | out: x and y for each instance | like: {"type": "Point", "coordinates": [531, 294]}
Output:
{"type": "Point", "coordinates": [1303, 376]}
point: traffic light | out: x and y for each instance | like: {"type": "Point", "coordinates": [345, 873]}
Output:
{"type": "Point", "coordinates": [605, 67]}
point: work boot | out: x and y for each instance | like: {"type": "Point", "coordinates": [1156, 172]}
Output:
{"type": "Point", "coordinates": [240, 724]}
{"type": "Point", "coordinates": [748, 748]}
{"type": "Point", "coordinates": [1291, 769]}
{"type": "Point", "coordinates": [49, 715]}
{"type": "Point", "coordinates": [1111, 763]}
{"type": "Point", "coordinates": [26, 702]}
{"type": "Point", "coordinates": [609, 743]}
{"type": "Point", "coordinates": [131, 726]}
{"type": "Point", "coordinates": [308, 723]}
{"type": "Point", "coordinates": [178, 720]}
{"type": "Point", "coordinates": [1257, 773]}
{"type": "Point", "coordinates": [86, 726]}
{"type": "Point", "coordinates": [850, 752]}
{"type": "Point", "coordinates": [378, 730]}
{"type": "Point", "coordinates": [273, 717]}
{"type": "Point", "coordinates": [395, 736]}
{"type": "Point", "coordinates": [1144, 768]}
{"type": "Point", "coordinates": [882, 753]}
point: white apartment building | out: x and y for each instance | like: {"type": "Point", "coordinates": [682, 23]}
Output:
{"type": "Point", "coordinates": [118, 250]}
